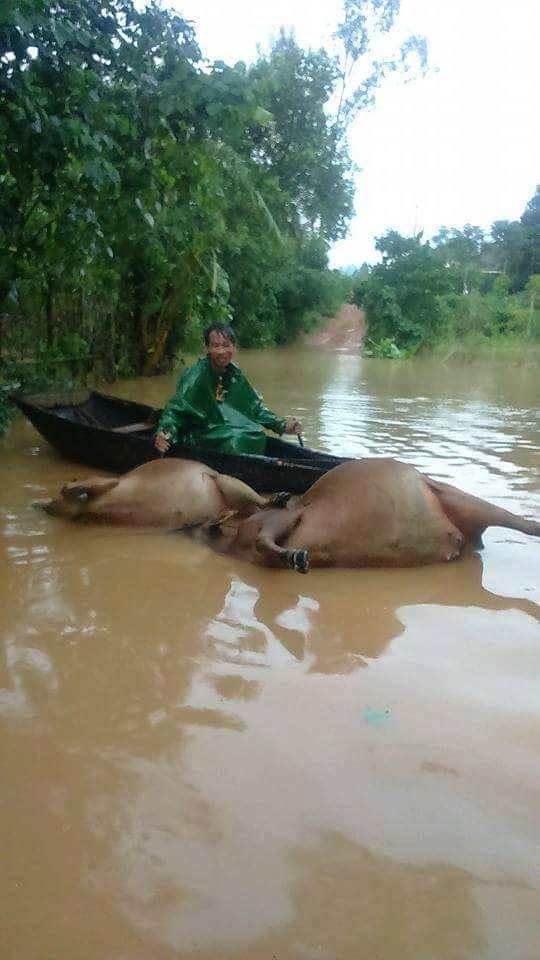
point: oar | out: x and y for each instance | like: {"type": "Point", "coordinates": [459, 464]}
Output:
{"type": "Point", "coordinates": [300, 439]}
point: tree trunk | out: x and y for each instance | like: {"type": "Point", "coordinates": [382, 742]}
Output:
{"type": "Point", "coordinates": [155, 335]}
{"type": "Point", "coordinates": [49, 311]}
{"type": "Point", "coordinates": [532, 302]}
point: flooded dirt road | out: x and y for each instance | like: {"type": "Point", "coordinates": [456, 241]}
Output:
{"type": "Point", "coordinates": [206, 760]}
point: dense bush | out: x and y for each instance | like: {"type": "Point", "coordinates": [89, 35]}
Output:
{"type": "Point", "coordinates": [145, 192]}
{"type": "Point", "coordinates": [454, 287]}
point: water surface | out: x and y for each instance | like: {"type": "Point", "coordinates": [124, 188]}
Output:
{"type": "Point", "coordinates": [207, 760]}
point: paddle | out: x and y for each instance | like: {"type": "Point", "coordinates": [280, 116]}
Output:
{"type": "Point", "coordinates": [300, 439]}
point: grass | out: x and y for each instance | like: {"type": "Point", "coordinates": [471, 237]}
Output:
{"type": "Point", "coordinates": [511, 350]}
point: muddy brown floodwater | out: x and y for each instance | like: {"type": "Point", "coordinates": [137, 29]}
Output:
{"type": "Point", "coordinates": [202, 759]}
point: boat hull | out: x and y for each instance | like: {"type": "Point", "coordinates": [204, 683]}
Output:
{"type": "Point", "coordinates": [112, 434]}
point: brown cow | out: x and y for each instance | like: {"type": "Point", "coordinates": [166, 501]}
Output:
{"type": "Point", "coordinates": [373, 512]}
{"type": "Point", "coordinates": [170, 494]}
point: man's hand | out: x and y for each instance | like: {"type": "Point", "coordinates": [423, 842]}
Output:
{"type": "Point", "coordinates": [162, 441]}
{"type": "Point", "coordinates": [293, 425]}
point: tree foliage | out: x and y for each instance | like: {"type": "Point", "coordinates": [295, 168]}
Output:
{"type": "Point", "coordinates": [460, 283]}
{"type": "Point", "coordinates": [145, 191]}
{"type": "Point", "coordinates": [400, 295]}
{"type": "Point", "coordinates": [362, 64]}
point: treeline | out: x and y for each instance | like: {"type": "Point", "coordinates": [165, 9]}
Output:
{"type": "Point", "coordinates": [146, 192]}
{"type": "Point", "coordinates": [461, 287]}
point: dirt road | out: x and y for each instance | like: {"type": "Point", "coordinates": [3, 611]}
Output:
{"type": "Point", "coordinates": [344, 333]}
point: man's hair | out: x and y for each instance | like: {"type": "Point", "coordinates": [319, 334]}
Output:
{"type": "Point", "coordinates": [223, 328]}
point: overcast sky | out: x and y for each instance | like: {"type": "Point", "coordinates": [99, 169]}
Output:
{"type": "Point", "coordinates": [458, 146]}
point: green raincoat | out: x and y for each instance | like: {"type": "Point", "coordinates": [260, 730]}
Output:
{"type": "Point", "coordinates": [221, 411]}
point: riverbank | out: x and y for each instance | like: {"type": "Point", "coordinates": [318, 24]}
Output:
{"type": "Point", "coordinates": [511, 350]}
{"type": "Point", "coordinates": [347, 332]}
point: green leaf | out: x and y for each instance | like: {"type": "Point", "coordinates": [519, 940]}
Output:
{"type": "Point", "coordinates": [22, 22]}
{"type": "Point", "coordinates": [262, 117]}
{"type": "Point", "coordinates": [83, 37]}
{"type": "Point", "coordinates": [62, 32]}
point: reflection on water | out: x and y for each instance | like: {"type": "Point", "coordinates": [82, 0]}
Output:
{"type": "Point", "coordinates": [469, 436]}
{"type": "Point", "coordinates": [242, 635]}
{"type": "Point", "coordinates": [185, 738]}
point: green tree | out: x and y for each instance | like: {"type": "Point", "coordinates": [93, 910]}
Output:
{"type": "Point", "coordinates": [462, 251]}
{"type": "Point", "coordinates": [510, 250]}
{"type": "Point", "coordinates": [530, 221]}
{"type": "Point", "coordinates": [361, 71]}
{"type": "Point", "coordinates": [301, 146]}
{"type": "Point", "coordinates": [402, 294]}
{"type": "Point", "coordinates": [516, 244]}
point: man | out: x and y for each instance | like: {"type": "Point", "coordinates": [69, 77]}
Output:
{"type": "Point", "coordinates": [216, 406]}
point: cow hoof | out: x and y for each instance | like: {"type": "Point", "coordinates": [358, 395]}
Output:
{"type": "Point", "coordinates": [298, 560]}
{"type": "Point", "coordinates": [75, 493]}
{"type": "Point", "coordinates": [281, 499]}
{"type": "Point", "coordinates": [456, 544]}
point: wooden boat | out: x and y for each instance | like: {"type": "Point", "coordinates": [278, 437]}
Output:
{"type": "Point", "coordinates": [101, 431]}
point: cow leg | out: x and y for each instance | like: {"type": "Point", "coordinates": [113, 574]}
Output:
{"type": "Point", "coordinates": [238, 496]}
{"type": "Point", "coordinates": [276, 527]}
{"type": "Point", "coordinates": [471, 515]}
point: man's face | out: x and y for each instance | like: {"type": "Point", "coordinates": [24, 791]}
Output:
{"type": "Point", "coordinates": [220, 351]}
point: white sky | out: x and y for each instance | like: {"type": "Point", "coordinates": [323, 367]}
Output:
{"type": "Point", "coordinates": [459, 146]}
